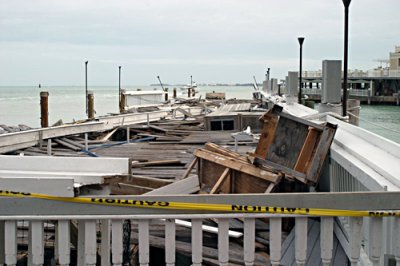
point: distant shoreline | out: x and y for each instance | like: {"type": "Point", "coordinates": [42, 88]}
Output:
{"type": "Point", "coordinates": [210, 85]}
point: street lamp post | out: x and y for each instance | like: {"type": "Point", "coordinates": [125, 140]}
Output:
{"type": "Point", "coordinates": [346, 4]}
{"type": "Point", "coordinates": [119, 84]}
{"type": "Point", "coordinates": [86, 90]}
{"type": "Point", "coordinates": [301, 40]}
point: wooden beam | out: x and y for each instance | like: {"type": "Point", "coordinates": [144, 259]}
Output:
{"type": "Point", "coordinates": [321, 151]}
{"type": "Point", "coordinates": [270, 188]}
{"type": "Point", "coordinates": [75, 143]}
{"type": "Point", "coordinates": [128, 189]}
{"type": "Point", "coordinates": [68, 145]}
{"type": "Point", "coordinates": [268, 133]}
{"type": "Point", "coordinates": [288, 172]}
{"type": "Point", "coordinates": [190, 167]}
{"type": "Point", "coordinates": [146, 181]}
{"type": "Point", "coordinates": [155, 163]}
{"type": "Point", "coordinates": [237, 165]}
{"type": "Point", "coordinates": [188, 185]}
{"type": "Point", "coordinates": [220, 181]}
{"type": "Point", "coordinates": [306, 152]}
{"type": "Point", "coordinates": [218, 149]}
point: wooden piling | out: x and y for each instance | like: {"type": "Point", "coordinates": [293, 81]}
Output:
{"type": "Point", "coordinates": [193, 92]}
{"type": "Point", "coordinates": [166, 95]}
{"type": "Point", "coordinates": [189, 93]}
{"type": "Point", "coordinates": [174, 95]}
{"type": "Point", "coordinates": [44, 109]}
{"type": "Point", "coordinates": [90, 99]}
{"type": "Point", "coordinates": [122, 102]}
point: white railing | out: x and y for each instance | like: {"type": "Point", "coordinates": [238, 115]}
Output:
{"type": "Point", "coordinates": [106, 223]}
{"type": "Point", "coordinates": [312, 91]}
{"type": "Point", "coordinates": [358, 92]}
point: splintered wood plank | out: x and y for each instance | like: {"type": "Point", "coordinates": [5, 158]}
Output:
{"type": "Point", "coordinates": [190, 167]}
{"type": "Point", "coordinates": [145, 181]}
{"type": "Point", "coordinates": [321, 151]}
{"type": "Point", "coordinates": [306, 152]}
{"type": "Point", "coordinates": [220, 181]}
{"type": "Point", "coordinates": [128, 189]}
{"type": "Point", "coordinates": [68, 145]}
{"type": "Point", "coordinates": [218, 149]}
{"type": "Point", "coordinates": [188, 185]}
{"type": "Point", "coordinates": [289, 138]}
{"type": "Point", "coordinates": [236, 165]}
{"type": "Point", "coordinates": [277, 168]}
{"type": "Point", "coordinates": [270, 188]}
{"type": "Point", "coordinates": [153, 163]}
{"type": "Point", "coordinates": [268, 133]}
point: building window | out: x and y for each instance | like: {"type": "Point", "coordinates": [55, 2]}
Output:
{"type": "Point", "coordinates": [219, 125]}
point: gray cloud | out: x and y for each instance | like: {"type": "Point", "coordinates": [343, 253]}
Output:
{"type": "Point", "coordinates": [229, 41]}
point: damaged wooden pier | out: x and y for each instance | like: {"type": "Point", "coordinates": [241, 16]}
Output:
{"type": "Point", "coordinates": [168, 156]}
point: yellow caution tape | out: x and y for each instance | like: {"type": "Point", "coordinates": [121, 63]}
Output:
{"type": "Point", "coordinates": [232, 208]}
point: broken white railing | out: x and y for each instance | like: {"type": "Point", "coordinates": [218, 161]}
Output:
{"type": "Point", "coordinates": [36, 211]}
{"type": "Point", "coordinates": [57, 176]}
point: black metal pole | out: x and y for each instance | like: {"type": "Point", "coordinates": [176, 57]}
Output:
{"type": "Point", "coordinates": [119, 84]}
{"type": "Point", "coordinates": [191, 81]}
{"type": "Point", "coordinates": [301, 40]}
{"type": "Point", "coordinates": [86, 90]}
{"type": "Point", "coordinates": [346, 4]}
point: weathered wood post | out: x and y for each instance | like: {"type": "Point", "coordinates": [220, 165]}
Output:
{"type": "Point", "coordinates": [122, 102]}
{"type": "Point", "coordinates": [166, 95]}
{"type": "Point", "coordinates": [189, 93]}
{"type": "Point", "coordinates": [44, 109]}
{"type": "Point", "coordinates": [193, 92]}
{"type": "Point", "coordinates": [369, 96]}
{"type": "Point", "coordinates": [174, 93]}
{"type": "Point", "coordinates": [90, 100]}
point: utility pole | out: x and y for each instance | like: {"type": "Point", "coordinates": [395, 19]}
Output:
{"type": "Point", "coordinates": [301, 40]}
{"type": "Point", "coordinates": [86, 90]}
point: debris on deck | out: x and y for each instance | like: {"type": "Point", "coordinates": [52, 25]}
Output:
{"type": "Point", "coordinates": [185, 154]}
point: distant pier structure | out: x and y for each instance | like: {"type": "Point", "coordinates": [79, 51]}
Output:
{"type": "Point", "coordinates": [380, 85]}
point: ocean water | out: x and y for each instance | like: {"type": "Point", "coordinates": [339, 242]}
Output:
{"type": "Point", "coordinates": [21, 105]}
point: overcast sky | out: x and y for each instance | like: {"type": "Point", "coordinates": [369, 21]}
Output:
{"type": "Point", "coordinates": [48, 41]}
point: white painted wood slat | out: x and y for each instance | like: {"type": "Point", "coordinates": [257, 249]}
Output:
{"type": "Point", "coordinates": [63, 242]}
{"type": "Point", "coordinates": [275, 240]}
{"type": "Point", "coordinates": [197, 242]}
{"type": "Point", "coordinates": [355, 239]}
{"type": "Point", "coordinates": [116, 246]}
{"type": "Point", "coordinates": [249, 241]}
{"type": "Point", "coordinates": [326, 240]}
{"type": "Point", "coordinates": [301, 240]}
{"type": "Point", "coordinates": [105, 242]}
{"type": "Point", "coordinates": [223, 242]}
{"type": "Point", "coordinates": [170, 242]}
{"type": "Point", "coordinates": [10, 247]}
{"type": "Point", "coordinates": [375, 239]}
{"type": "Point", "coordinates": [36, 245]}
{"type": "Point", "coordinates": [144, 244]}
